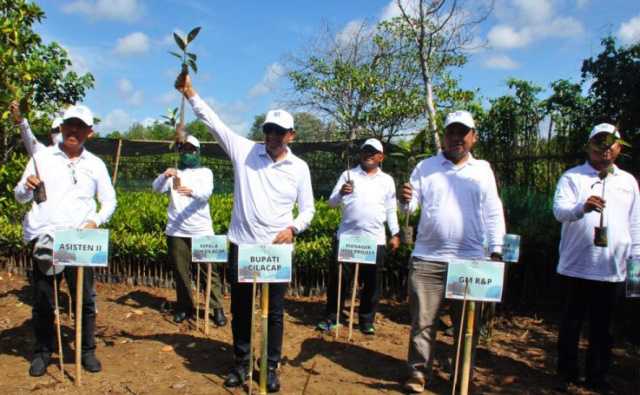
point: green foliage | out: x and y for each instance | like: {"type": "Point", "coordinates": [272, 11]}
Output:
{"type": "Point", "coordinates": [34, 73]}
{"type": "Point", "coordinates": [188, 59]}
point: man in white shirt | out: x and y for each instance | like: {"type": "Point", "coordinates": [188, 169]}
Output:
{"type": "Point", "coordinates": [189, 188]}
{"type": "Point", "coordinates": [593, 273]}
{"type": "Point", "coordinates": [367, 196]}
{"type": "Point", "coordinates": [268, 181]}
{"type": "Point", "coordinates": [73, 179]}
{"type": "Point", "coordinates": [31, 143]}
{"type": "Point", "coordinates": [459, 207]}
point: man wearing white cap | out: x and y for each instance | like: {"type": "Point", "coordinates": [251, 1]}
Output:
{"type": "Point", "coordinates": [74, 179]}
{"type": "Point", "coordinates": [268, 181]}
{"type": "Point", "coordinates": [367, 196]}
{"type": "Point", "coordinates": [31, 144]}
{"type": "Point", "coordinates": [460, 205]}
{"type": "Point", "coordinates": [189, 216]}
{"type": "Point", "coordinates": [593, 273]}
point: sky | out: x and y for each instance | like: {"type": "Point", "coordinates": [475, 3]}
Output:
{"type": "Point", "coordinates": [244, 47]}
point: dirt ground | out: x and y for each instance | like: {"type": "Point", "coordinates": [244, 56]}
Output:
{"type": "Point", "coordinates": [144, 352]}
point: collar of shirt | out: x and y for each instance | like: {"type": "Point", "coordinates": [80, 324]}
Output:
{"type": "Point", "coordinates": [590, 170]}
{"type": "Point", "coordinates": [447, 163]}
{"type": "Point", "coordinates": [262, 151]}
{"type": "Point", "coordinates": [360, 171]}
{"type": "Point", "coordinates": [58, 151]}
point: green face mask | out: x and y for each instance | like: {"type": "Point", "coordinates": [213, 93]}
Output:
{"type": "Point", "coordinates": [189, 160]}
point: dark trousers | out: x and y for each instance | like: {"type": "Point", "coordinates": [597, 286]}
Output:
{"type": "Point", "coordinates": [241, 295]}
{"type": "Point", "coordinates": [370, 276]}
{"type": "Point", "coordinates": [597, 298]}
{"type": "Point", "coordinates": [43, 308]}
{"type": "Point", "coordinates": [180, 257]}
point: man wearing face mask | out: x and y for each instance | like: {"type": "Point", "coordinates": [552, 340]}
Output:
{"type": "Point", "coordinates": [31, 143]}
{"type": "Point", "coordinates": [189, 216]}
{"type": "Point", "coordinates": [459, 206]}
{"type": "Point", "coordinates": [268, 181]}
{"type": "Point", "coordinates": [74, 180]}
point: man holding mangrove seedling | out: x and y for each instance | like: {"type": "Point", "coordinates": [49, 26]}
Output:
{"type": "Point", "coordinates": [368, 199]}
{"type": "Point", "coordinates": [459, 206]}
{"type": "Point", "coordinates": [268, 180]}
{"type": "Point", "coordinates": [189, 188]}
{"type": "Point", "coordinates": [599, 233]}
{"type": "Point", "coordinates": [31, 143]}
{"type": "Point", "coordinates": [74, 178]}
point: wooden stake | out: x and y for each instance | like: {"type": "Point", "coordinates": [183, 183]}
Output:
{"type": "Point", "coordinates": [468, 348]}
{"type": "Point", "coordinates": [339, 296]}
{"type": "Point", "coordinates": [265, 338]}
{"type": "Point", "coordinates": [114, 178]}
{"type": "Point", "coordinates": [207, 300]}
{"type": "Point", "coordinates": [79, 284]}
{"type": "Point", "coordinates": [353, 300]}
{"type": "Point", "coordinates": [58, 330]}
{"type": "Point", "coordinates": [198, 297]}
{"type": "Point", "coordinates": [252, 338]}
{"type": "Point", "coordinates": [455, 371]}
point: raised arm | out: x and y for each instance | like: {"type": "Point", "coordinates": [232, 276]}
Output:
{"type": "Point", "coordinates": [234, 145]}
{"type": "Point", "coordinates": [31, 144]}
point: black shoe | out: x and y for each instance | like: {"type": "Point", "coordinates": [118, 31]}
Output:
{"type": "Point", "coordinates": [180, 316]}
{"type": "Point", "coordinates": [218, 317]}
{"type": "Point", "coordinates": [39, 364]}
{"type": "Point", "coordinates": [236, 377]}
{"type": "Point", "coordinates": [367, 328]}
{"type": "Point", "coordinates": [273, 382]}
{"type": "Point", "coordinates": [91, 363]}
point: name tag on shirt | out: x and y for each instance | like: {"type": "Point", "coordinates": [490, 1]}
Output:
{"type": "Point", "coordinates": [481, 280]}
{"type": "Point", "coordinates": [266, 263]}
{"type": "Point", "coordinates": [81, 247]}
{"type": "Point", "coordinates": [357, 249]}
{"type": "Point", "coordinates": [209, 249]}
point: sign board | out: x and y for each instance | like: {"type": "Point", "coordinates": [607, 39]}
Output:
{"type": "Point", "coordinates": [269, 263]}
{"type": "Point", "coordinates": [209, 249]}
{"type": "Point", "coordinates": [633, 278]}
{"type": "Point", "coordinates": [81, 247]}
{"type": "Point", "coordinates": [483, 280]}
{"type": "Point", "coordinates": [357, 249]}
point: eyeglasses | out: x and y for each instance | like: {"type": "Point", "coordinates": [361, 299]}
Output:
{"type": "Point", "coordinates": [72, 167]}
{"type": "Point", "coordinates": [273, 128]}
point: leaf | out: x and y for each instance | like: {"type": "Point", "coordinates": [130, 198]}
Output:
{"type": "Point", "coordinates": [179, 41]}
{"type": "Point", "coordinates": [177, 55]}
{"type": "Point", "coordinates": [192, 56]}
{"type": "Point", "coordinates": [193, 65]}
{"type": "Point", "coordinates": [192, 34]}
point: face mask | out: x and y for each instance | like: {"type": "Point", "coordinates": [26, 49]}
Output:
{"type": "Point", "coordinates": [189, 160]}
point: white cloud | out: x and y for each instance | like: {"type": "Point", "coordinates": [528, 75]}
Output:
{"type": "Point", "coordinates": [526, 21]}
{"type": "Point", "coordinates": [502, 62]}
{"type": "Point", "coordinates": [234, 114]}
{"type": "Point", "coordinates": [129, 94]}
{"type": "Point", "coordinates": [582, 3]}
{"type": "Point", "coordinates": [117, 10]}
{"type": "Point", "coordinates": [392, 10]}
{"type": "Point", "coordinates": [117, 119]}
{"type": "Point", "coordinates": [629, 31]}
{"type": "Point", "coordinates": [169, 98]}
{"type": "Point", "coordinates": [79, 64]}
{"type": "Point", "coordinates": [271, 76]}
{"type": "Point", "coordinates": [132, 44]}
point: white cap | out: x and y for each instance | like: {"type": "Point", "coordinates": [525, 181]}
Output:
{"type": "Point", "coordinates": [604, 128]}
{"type": "Point", "coordinates": [463, 117]}
{"type": "Point", "coordinates": [193, 141]}
{"type": "Point", "coordinates": [57, 121]}
{"type": "Point", "coordinates": [81, 112]}
{"type": "Point", "coordinates": [375, 143]}
{"type": "Point", "coordinates": [280, 118]}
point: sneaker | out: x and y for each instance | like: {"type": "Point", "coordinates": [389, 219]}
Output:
{"type": "Point", "coordinates": [236, 377]}
{"type": "Point", "coordinates": [415, 383]}
{"type": "Point", "coordinates": [326, 326]}
{"type": "Point", "coordinates": [39, 364]}
{"type": "Point", "coordinates": [367, 328]}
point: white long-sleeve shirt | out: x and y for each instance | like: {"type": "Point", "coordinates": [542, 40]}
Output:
{"type": "Point", "coordinates": [188, 216]}
{"type": "Point", "coordinates": [71, 186]}
{"type": "Point", "coordinates": [31, 143]}
{"type": "Point", "coordinates": [460, 205]}
{"type": "Point", "coordinates": [579, 257]}
{"type": "Point", "coordinates": [264, 191]}
{"type": "Point", "coordinates": [372, 202]}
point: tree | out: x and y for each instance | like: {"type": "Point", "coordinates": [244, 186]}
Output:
{"type": "Point", "coordinates": [308, 128]}
{"type": "Point", "coordinates": [36, 74]}
{"type": "Point", "coordinates": [358, 82]}
{"type": "Point", "coordinates": [440, 31]}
